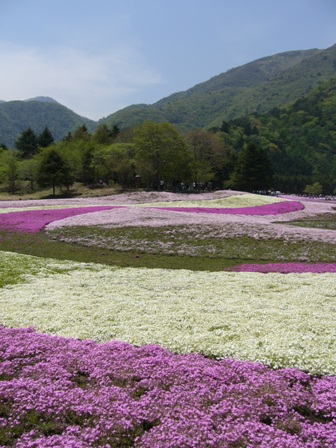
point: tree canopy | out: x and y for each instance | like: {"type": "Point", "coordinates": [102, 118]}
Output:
{"type": "Point", "coordinates": [53, 171]}
{"type": "Point", "coordinates": [27, 144]}
{"type": "Point", "coordinates": [161, 154]}
{"type": "Point", "coordinates": [253, 171]}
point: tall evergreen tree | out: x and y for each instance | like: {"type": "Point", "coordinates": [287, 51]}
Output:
{"type": "Point", "coordinates": [27, 144]}
{"type": "Point", "coordinates": [253, 170]}
{"type": "Point", "coordinates": [45, 139]}
{"type": "Point", "coordinates": [53, 171]}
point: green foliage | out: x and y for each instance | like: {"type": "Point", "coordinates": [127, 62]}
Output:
{"type": "Point", "coordinates": [161, 154]}
{"type": "Point", "coordinates": [104, 135]}
{"type": "Point", "coordinates": [253, 170]}
{"type": "Point", "coordinates": [28, 171]}
{"type": "Point", "coordinates": [299, 139]}
{"type": "Point", "coordinates": [315, 190]}
{"type": "Point", "coordinates": [45, 139]}
{"type": "Point", "coordinates": [53, 171]}
{"type": "Point", "coordinates": [81, 133]}
{"type": "Point", "coordinates": [16, 116]}
{"type": "Point", "coordinates": [27, 144]}
{"type": "Point", "coordinates": [258, 86]}
{"type": "Point", "coordinates": [9, 170]}
{"type": "Point", "coordinates": [119, 159]}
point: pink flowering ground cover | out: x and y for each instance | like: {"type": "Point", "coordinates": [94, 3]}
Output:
{"type": "Point", "coordinates": [58, 392]}
{"type": "Point", "coordinates": [260, 210]}
{"type": "Point", "coordinates": [32, 221]}
{"type": "Point", "coordinates": [287, 268]}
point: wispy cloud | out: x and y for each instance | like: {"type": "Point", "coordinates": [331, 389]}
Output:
{"type": "Point", "coordinates": [92, 84]}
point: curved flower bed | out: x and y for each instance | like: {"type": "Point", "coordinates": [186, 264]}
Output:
{"type": "Point", "coordinates": [231, 201]}
{"type": "Point", "coordinates": [287, 268]}
{"type": "Point", "coordinates": [32, 221]}
{"type": "Point", "coordinates": [242, 204]}
{"type": "Point", "coordinates": [261, 210]}
{"type": "Point", "coordinates": [280, 321]}
{"type": "Point", "coordinates": [62, 392]}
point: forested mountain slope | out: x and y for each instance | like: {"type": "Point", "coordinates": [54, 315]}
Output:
{"type": "Point", "coordinates": [257, 86]}
{"type": "Point", "coordinates": [300, 138]}
{"type": "Point", "coordinates": [16, 116]}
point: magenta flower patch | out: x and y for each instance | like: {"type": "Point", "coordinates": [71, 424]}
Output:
{"type": "Point", "coordinates": [57, 392]}
{"type": "Point", "coordinates": [287, 268]}
{"type": "Point", "coordinates": [260, 210]}
{"type": "Point", "coordinates": [32, 221]}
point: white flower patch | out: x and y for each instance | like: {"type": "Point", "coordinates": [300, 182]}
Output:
{"type": "Point", "coordinates": [280, 320]}
{"type": "Point", "coordinates": [238, 201]}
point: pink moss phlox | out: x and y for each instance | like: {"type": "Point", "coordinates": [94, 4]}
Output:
{"type": "Point", "coordinates": [260, 210]}
{"type": "Point", "coordinates": [32, 221]}
{"type": "Point", "coordinates": [86, 394]}
{"type": "Point", "coordinates": [287, 268]}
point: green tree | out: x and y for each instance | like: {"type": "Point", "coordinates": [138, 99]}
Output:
{"type": "Point", "coordinates": [119, 159]}
{"type": "Point", "coordinates": [53, 171]}
{"type": "Point", "coordinates": [102, 135]}
{"type": "Point", "coordinates": [88, 168]}
{"type": "Point", "coordinates": [45, 139]}
{"type": "Point", "coordinates": [253, 170]}
{"type": "Point", "coordinates": [27, 144]}
{"type": "Point", "coordinates": [315, 189]}
{"type": "Point", "coordinates": [161, 154]}
{"type": "Point", "coordinates": [28, 171]}
{"type": "Point", "coordinates": [81, 133]}
{"type": "Point", "coordinates": [9, 170]}
{"type": "Point", "coordinates": [208, 154]}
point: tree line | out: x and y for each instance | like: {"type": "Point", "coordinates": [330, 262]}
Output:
{"type": "Point", "coordinates": [153, 156]}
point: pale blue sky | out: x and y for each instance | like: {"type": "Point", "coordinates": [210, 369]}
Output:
{"type": "Point", "coordinates": [98, 56]}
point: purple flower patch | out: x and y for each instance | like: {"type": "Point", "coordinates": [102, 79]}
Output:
{"type": "Point", "coordinates": [57, 392]}
{"type": "Point", "coordinates": [287, 268]}
{"type": "Point", "coordinates": [260, 210]}
{"type": "Point", "coordinates": [32, 221]}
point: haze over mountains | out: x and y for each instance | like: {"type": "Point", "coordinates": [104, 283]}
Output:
{"type": "Point", "coordinates": [258, 86]}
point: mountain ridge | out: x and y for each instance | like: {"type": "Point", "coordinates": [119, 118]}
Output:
{"type": "Point", "coordinates": [257, 86]}
{"type": "Point", "coordinates": [16, 116]}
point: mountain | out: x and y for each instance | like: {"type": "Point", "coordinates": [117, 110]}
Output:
{"type": "Point", "coordinates": [257, 86]}
{"type": "Point", "coordinates": [43, 99]}
{"type": "Point", "coordinates": [299, 138]}
{"type": "Point", "coordinates": [37, 113]}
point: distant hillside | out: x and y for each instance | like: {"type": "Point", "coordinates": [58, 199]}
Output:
{"type": "Point", "coordinates": [257, 86]}
{"type": "Point", "coordinates": [37, 113]}
{"type": "Point", "coordinates": [300, 139]}
{"type": "Point", "coordinates": [43, 99]}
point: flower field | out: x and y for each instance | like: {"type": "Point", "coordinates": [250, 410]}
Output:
{"type": "Point", "coordinates": [93, 355]}
{"type": "Point", "coordinates": [34, 220]}
{"type": "Point", "coordinates": [88, 395]}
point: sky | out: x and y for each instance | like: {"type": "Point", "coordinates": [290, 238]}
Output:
{"type": "Point", "coordinates": [98, 56]}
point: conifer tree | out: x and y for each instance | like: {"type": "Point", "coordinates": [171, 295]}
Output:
{"type": "Point", "coordinates": [253, 170]}
{"type": "Point", "coordinates": [53, 171]}
{"type": "Point", "coordinates": [27, 144]}
{"type": "Point", "coordinates": [45, 139]}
